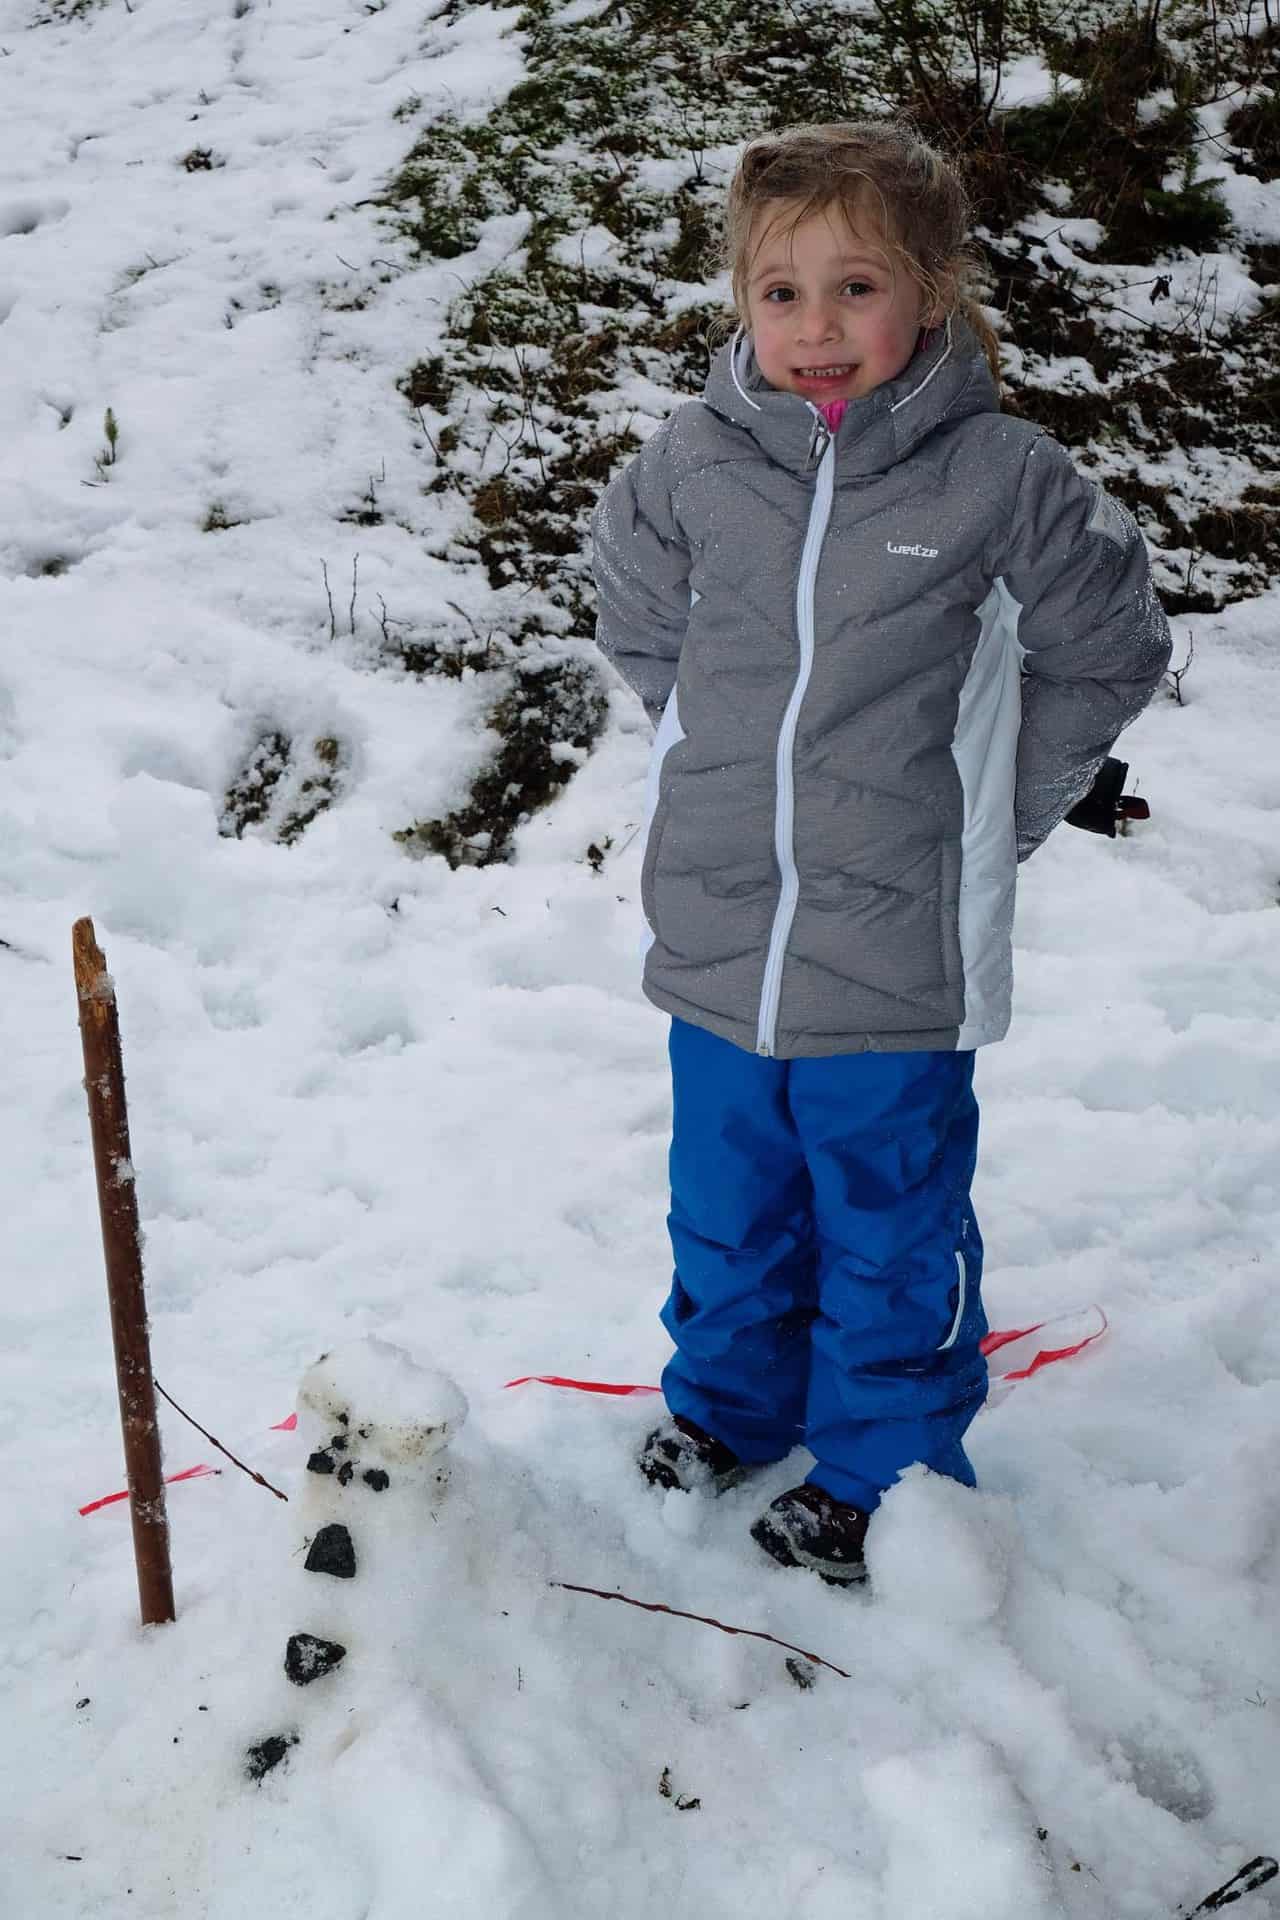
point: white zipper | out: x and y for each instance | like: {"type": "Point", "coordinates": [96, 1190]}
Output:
{"type": "Point", "coordinates": [964, 1288]}
{"type": "Point", "coordinates": [784, 819]}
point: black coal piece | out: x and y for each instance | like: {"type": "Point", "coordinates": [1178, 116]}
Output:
{"type": "Point", "coordinates": [268, 1753]}
{"type": "Point", "coordinates": [332, 1552]}
{"type": "Point", "coordinates": [306, 1657]}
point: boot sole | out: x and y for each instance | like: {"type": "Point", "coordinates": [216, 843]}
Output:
{"type": "Point", "coordinates": [836, 1573]}
{"type": "Point", "coordinates": [660, 1474]}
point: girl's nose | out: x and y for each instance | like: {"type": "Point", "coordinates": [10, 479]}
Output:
{"type": "Point", "coordinates": [817, 322]}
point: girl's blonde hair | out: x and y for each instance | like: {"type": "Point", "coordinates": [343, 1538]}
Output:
{"type": "Point", "coordinates": [916, 196]}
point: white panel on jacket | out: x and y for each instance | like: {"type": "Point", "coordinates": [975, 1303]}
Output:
{"type": "Point", "coordinates": [985, 750]}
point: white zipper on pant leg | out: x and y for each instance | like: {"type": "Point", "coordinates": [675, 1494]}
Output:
{"type": "Point", "coordinates": [964, 1288]}
{"type": "Point", "coordinates": [784, 819]}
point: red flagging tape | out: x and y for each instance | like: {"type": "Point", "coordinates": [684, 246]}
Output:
{"type": "Point", "coordinates": [1047, 1355]}
{"type": "Point", "coordinates": [990, 1344]}
{"type": "Point", "coordinates": [287, 1425]}
{"type": "Point", "coordinates": [170, 1479]}
{"type": "Point", "coordinates": [623, 1389]}
{"type": "Point", "coordinates": [579, 1386]}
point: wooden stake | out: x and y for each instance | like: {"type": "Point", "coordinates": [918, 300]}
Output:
{"type": "Point", "coordinates": [122, 1248]}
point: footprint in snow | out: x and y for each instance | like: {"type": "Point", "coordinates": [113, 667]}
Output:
{"type": "Point", "coordinates": [21, 217]}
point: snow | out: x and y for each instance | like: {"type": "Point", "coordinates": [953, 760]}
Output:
{"type": "Point", "coordinates": [376, 1101]}
{"type": "Point", "coordinates": [1253, 204]}
{"type": "Point", "coordinates": [925, 1525]}
{"type": "Point", "coordinates": [1025, 81]}
{"type": "Point", "coordinates": [593, 247]}
{"type": "Point", "coordinates": [990, 1862]}
{"type": "Point", "coordinates": [1065, 238]}
{"type": "Point", "coordinates": [403, 1411]}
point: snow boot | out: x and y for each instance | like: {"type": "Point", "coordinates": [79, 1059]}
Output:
{"type": "Point", "coordinates": [679, 1454]}
{"type": "Point", "coordinates": [807, 1527]}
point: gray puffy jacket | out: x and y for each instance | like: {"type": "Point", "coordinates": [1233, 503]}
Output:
{"type": "Point", "coordinates": [884, 664]}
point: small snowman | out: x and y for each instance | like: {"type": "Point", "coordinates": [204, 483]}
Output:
{"type": "Point", "coordinates": [377, 1425]}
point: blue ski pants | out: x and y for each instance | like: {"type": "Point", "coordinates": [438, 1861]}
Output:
{"type": "Point", "coordinates": [827, 1261]}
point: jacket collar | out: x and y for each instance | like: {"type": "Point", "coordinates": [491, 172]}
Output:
{"type": "Point", "coordinates": [945, 380]}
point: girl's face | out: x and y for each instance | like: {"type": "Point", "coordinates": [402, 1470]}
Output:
{"type": "Point", "coordinates": [829, 315]}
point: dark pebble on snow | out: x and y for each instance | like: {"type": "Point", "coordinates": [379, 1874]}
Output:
{"type": "Point", "coordinates": [268, 1753]}
{"type": "Point", "coordinates": [306, 1658]}
{"type": "Point", "coordinates": [332, 1552]}
{"type": "Point", "coordinates": [374, 1477]}
{"type": "Point", "coordinates": [346, 1473]}
{"type": "Point", "coordinates": [320, 1462]}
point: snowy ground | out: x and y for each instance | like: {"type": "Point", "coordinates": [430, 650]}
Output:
{"type": "Point", "coordinates": [371, 1096]}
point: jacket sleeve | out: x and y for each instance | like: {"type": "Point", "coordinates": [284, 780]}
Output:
{"type": "Point", "coordinates": [1095, 637]}
{"type": "Point", "coordinates": [642, 574]}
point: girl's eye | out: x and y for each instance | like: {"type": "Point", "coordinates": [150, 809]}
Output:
{"type": "Point", "coordinates": [782, 296]}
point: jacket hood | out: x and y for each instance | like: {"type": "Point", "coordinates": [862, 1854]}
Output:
{"type": "Point", "coordinates": [946, 380]}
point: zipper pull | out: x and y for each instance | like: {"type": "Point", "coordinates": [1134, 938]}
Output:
{"type": "Point", "coordinates": [818, 441]}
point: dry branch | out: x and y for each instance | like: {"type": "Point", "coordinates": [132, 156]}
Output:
{"type": "Point", "coordinates": [657, 1606]}
{"type": "Point", "coordinates": [218, 1444]}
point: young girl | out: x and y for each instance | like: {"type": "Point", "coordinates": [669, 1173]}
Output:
{"type": "Point", "coordinates": [888, 635]}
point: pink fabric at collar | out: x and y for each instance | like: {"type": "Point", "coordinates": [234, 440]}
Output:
{"type": "Point", "coordinates": [833, 410]}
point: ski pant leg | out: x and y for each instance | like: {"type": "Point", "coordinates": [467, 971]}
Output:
{"type": "Point", "coordinates": [744, 1291]}
{"type": "Point", "coordinates": [896, 1374]}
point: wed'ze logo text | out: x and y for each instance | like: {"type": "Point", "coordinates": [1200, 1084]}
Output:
{"type": "Point", "coordinates": [917, 553]}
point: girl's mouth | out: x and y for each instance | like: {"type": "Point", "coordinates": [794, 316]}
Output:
{"type": "Point", "coordinates": [820, 378]}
